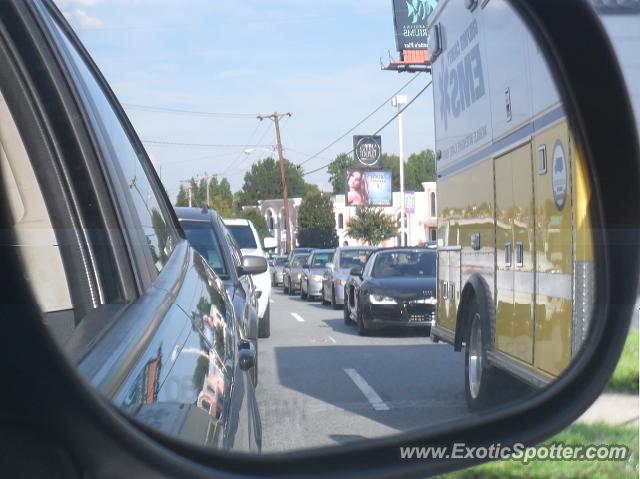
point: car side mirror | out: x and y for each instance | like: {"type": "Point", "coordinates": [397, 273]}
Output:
{"type": "Point", "coordinates": [269, 243]}
{"type": "Point", "coordinates": [246, 355]}
{"type": "Point", "coordinates": [252, 265]}
{"type": "Point", "coordinates": [356, 271]}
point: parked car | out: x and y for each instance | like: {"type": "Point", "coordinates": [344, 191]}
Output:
{"type": "Point", "coordinates": [396, 287]}
{"type": "Point", "coordinates": [312, 271]}
{"type": "Point", "coordinates": [247, 237]}
{"type": "Point", "coordinates": [337, 272]}
{"type": "Point", "coordinates": [208, 235]}
{"type": "Point", "coordinates": [292, 272]}
{"type": "Point", "coordinates": [145, 320]}
{"type": "Point", "coordinates": [277, 266]}
{"type": "Point", "coordinates": [296, 251]}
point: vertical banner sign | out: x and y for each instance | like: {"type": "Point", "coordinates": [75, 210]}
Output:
{"type": "Point", "coordinates": [411, 19]}
{"type": "Point", "coordinates": [367, 150]}
{"type": "Point", "coordinates": [409, 202]}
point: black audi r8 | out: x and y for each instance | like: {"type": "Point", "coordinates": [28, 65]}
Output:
{"type": "Point", "coordinates": [396, 287]}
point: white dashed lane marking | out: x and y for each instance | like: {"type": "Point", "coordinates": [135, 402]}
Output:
{"type": "Point", "coordinates": [297, 317]}
{"type": "Point", "coordinates": [372, 396]}
{"type": "Point", "coordinates": [332, 340]}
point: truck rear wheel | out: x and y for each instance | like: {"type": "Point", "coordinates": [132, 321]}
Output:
{"type": "Point", "coordinates": [480, 379]}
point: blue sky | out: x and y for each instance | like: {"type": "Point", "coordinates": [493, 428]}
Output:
{"type": "Point", "coordinates": [318, 60]}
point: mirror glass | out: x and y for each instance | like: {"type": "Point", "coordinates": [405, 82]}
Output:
{"type": "Point", "coordinates": [481, 297]}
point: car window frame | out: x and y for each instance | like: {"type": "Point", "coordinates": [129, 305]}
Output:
{"type": "Point", "coordinates": [219, 241]}
{"type": "Point", "coordinates": [144, 269]}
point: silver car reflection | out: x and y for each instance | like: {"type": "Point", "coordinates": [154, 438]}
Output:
{"type": "Point", "coordinates": [312, 273]}
{"type": "Point", "coordinates": [276, 267]}
{"type": "Point", "coordinates": [336, 273]}
{"type": "Point", "coordinates": [292, 272]}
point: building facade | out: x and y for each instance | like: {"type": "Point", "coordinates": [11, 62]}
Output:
{"type": "Point", "coordinates": [421, 224]}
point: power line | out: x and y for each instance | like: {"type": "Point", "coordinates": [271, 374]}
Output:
{"type": "Point", "coordinates": [315, 155]}
{"type": "Point", "coordinates": [200, 158]}
{"type": "Point", "coordinates": [265, 133]}
{"type": "Point", "coordinates": [253, 134]}
{"type": "Point", "coordinates": [379, 129]}
{"type": "Point", "coordinates": [178, 111]}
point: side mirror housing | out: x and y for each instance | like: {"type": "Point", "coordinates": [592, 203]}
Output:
{"type": "Point", "coordinates": [270, 243]}
{"type": "Point", "coordinates": [356, 271]}
{"type": "Point", "coordinates": [246, 355]}
{"type": "Point", "coordinates": [252, 265]}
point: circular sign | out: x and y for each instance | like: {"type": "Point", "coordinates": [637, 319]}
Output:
{"type": "Point", "coordinates": [368, 151]}
{"type": "Point", "coordinates": [559, 175]}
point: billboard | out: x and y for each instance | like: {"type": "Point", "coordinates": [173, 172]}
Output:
{"type": "Point", "coordinates": [367, 150]}
{"type": "Point", "coordinates": [411, 19]}
{"type": "Point", "coordinates": [369, 187]}
{"type": "Point", "coordinates": [409, 202]}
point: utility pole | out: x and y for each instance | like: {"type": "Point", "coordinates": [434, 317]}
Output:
{"type": "Point", "coordinates": [399, 102]}
{"type": "Point", "coordinates": [283, 177]}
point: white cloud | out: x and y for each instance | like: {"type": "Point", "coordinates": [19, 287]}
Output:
{"type": "Point", "coordinates": [81, 19]}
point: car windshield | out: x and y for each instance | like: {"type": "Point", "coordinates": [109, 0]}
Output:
{"type": "Point", "coordinates": [280, 261]}
{"type": "Point", "coordinates": [320, 259]}
{"type": "Point", "coordinates": [353, 258]}
{"type": "Point", "coordinates": [202, 237]}
{"type": "Point", "coordinates": [395, 264]}
{"type": "Point", "coordinates": [243, 235]}
{"type": "Point", "coordinates": [299, 260]}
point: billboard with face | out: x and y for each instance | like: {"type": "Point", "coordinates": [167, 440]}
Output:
{"type": "Point", "coordinates": [369, 188]}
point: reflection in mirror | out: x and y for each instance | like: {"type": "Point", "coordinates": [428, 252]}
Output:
{"type": "Point", "coordinates": [488, 302]}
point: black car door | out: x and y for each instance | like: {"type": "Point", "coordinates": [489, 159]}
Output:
{"type": "Point", "coordinates": [361, 285]}
{"type": "Point", "coordinates": [121, 291]}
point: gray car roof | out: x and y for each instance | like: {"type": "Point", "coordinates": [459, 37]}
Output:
{"type": "Point", "coordinates": [185, 213]}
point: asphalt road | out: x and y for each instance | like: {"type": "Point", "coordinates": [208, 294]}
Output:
{"type": "Point", "coordinates": [321, 384]}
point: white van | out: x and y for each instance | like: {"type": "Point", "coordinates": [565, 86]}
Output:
{"type": "Point", "coordinates": [247, 237]}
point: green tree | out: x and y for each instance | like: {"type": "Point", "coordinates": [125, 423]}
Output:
{"type": "Point", "coordinates": [420, 167]}
{"type": "Point", "coordinates": [262, 182]}
{"type": "Point", "coordinates": [392, 162]}
{"type": "Point", "coordinates": [220, 196]}
{"type": "Point", "coordinates": [316, 221]}
{"type": "Point", "coordinates": [183, 197]}
{"type": "Point", "coordinates": [222, 205]}
{"type": "Point", "coordinates": [371, 224]}
{"type": "Point", "coordinates": [258, 221]}
{"type": "Point", "coordinates": [338, 172]}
